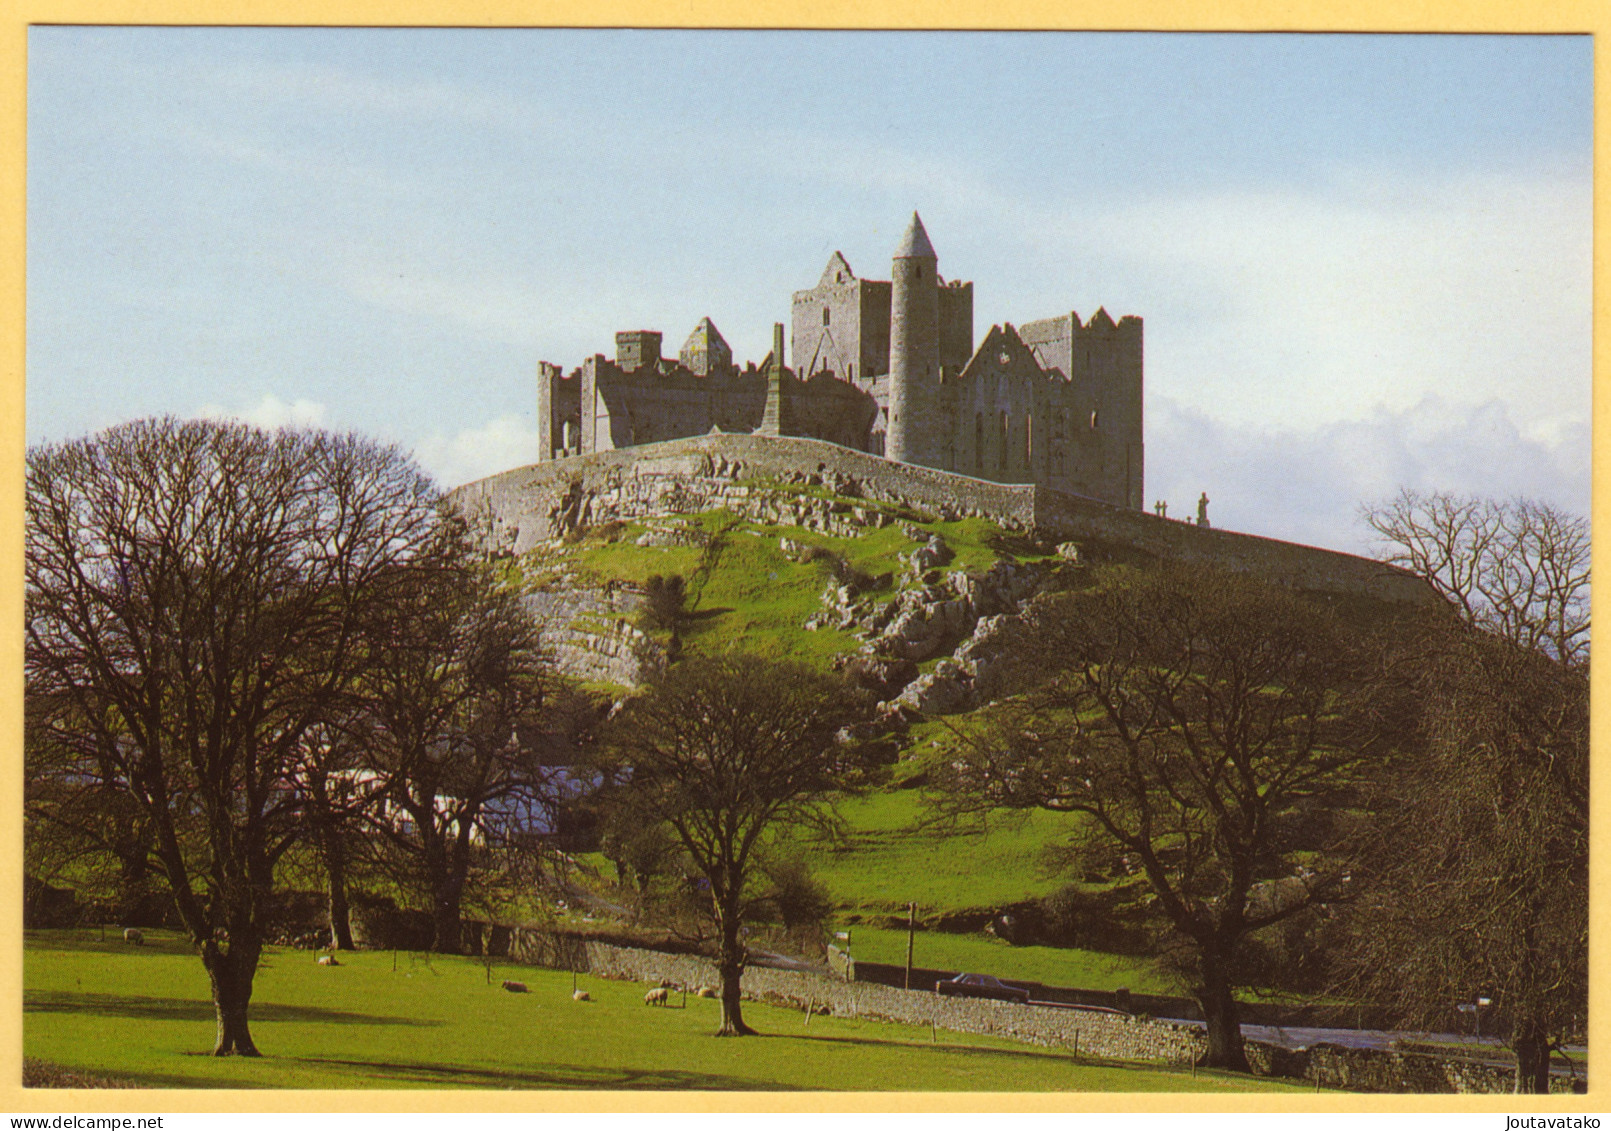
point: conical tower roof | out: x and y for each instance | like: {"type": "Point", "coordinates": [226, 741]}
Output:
{"type": "Point", "coordinates": [915, 243]}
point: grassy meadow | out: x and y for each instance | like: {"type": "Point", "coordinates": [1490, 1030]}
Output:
{"type": "Point", "coordinates": [142, 1015]}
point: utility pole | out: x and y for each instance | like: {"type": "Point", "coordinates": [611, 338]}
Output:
{"type": "Point", "coordinates": [911, 927]}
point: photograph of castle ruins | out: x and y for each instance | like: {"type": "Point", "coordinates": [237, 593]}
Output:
{"type": "Point", "coordinates": [597, 560]}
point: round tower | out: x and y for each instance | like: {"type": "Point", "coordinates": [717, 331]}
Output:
{"type": "Point", "coordinates": [914, 345]}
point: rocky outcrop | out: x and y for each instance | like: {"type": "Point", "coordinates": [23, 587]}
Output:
{"type": "Point", "coordinates": [962, 613]}
{"type": "Point", "coordinates": [591, 633]}
{"type": "Point", "coordinates": [816, 486]}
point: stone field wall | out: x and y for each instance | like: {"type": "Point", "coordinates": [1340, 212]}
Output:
{"type": "Point", "coordinates": [1088, 1033]}
{"type": "Point", "coordinates": [1097, 1034]}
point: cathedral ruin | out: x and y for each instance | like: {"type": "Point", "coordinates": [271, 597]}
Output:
{"type": "Point", "coordinates": [888, 368]}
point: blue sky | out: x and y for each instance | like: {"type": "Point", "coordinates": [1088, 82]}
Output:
{"type": "Point", "coordinates": [1363, 261]}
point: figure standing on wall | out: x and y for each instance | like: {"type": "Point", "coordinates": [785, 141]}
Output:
{"type": "Point", "coordinates": [1161, 509]}
{"type": "Point", "coordinates": [1202, 510]}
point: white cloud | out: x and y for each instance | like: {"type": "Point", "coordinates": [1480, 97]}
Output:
{"type": "Point", "coordinates": [475, 453]}
{"type": "Point", "coordinates": [1307, 305]}
{"type": "Point", "coordinates": [1307, 485]}
{"type": "Point", "coordinates": [271, 412]}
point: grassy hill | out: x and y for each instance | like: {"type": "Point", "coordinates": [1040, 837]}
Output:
{"type": "Point", "coordinates": [746, 591]}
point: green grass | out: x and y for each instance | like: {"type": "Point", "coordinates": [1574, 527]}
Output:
{"type": "Point", "coordinates": [890, 858]}
{"type": "Point", "coordinates": [982, 954]}
{"type": "Point", "coordinates": [753, 597]}
{"type": "Point", "coordinates": [749, 595]}
{"type": "Point", "coordinates": [143, 1014]}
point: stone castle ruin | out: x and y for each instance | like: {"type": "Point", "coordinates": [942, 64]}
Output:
{"type": "Point", "coordinates": [889, 416]}
{"type": "Point", "coordinates": [888, 368]}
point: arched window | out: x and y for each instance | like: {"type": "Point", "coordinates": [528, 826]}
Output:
{"type": "Point", "coordinates": [825, 316]}
{"type": "Point", "coordinates": [978, 441]}
{"type": "Point", "coordinates": [1093, 420]}
{"type": "Point", "coordinates": [1029, 440]}
{"type": "Point", "coordinates": [1006, 436]}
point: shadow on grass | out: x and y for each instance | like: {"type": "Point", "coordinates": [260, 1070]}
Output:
{"type": "Point", "coordinates": [92, 940]}
{"type": "Point", "coordinates": [698, 615]}
{"type": "Point", "coordinates": [178, 1009]}
{"type": "Point", "coordinates": [551, 1076]}
{"type": "Point", "coordinates": [1028, 1054]}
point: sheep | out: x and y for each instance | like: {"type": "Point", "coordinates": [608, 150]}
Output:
{"type": "Point", "coordinates": [328, 960]}
{"type": "Point", "coordinates": [134, 935]}
{"type": "Point", "coordinates": [515, 987]}
{"type": "Point", "coordinates": [580, 995]}
{"type": "Point", "coordinates": [706, 991]}
{"type": "Point", "coordinates": [657, 996]}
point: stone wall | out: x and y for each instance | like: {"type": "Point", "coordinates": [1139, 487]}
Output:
{"type": "Point", "coordinates": [1089, 1033]}
{"type": "Point", "coordinates": [1378, 1070]}
{"type": "Point", "coordinates": [533, 504]}
{"type": "Point", "coordinates": [1286, 563]}
{"type": "Point", "coordinates": [1097, 1034]}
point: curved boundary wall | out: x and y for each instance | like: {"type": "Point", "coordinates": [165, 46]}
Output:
{"type": "Point", "coordinates": [533, 504]}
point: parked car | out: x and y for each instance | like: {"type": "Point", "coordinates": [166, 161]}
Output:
{"type": "Point", "coordinates": [982, 985]}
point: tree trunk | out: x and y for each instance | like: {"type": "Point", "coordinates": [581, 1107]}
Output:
{"type": "Point", "coordinates": [1223, 1015]}
{"type": "Point", "coordinates": [446, 916]}
{"type": "Point", "coordinates": [731, 966]}
{"type": "Point", "coordinates": [134, 892]}
{"type": "Point", "coordinates": [1532, 1060]}
{"type": "Point", "coordinates": [232, 974]}
{"type": "Point", "coordinates": [335, 864]}
{"type": "Point", "coordinates": [134, 902]}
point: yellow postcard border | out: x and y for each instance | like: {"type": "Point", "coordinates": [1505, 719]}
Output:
{"type": "Point", "coordinates": [1386, 16]}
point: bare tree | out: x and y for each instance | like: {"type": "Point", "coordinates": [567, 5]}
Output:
{"type": "Point", "coordinates": [1477, 878]}
{"type": "Point", "coordinates": [1479, 863]}
{"type": "Point", "coordinates": [1519, 569]}
{"type": "Point", "coordinates": [78, 815]}
{"type": "Point", "coordinates": [727, 752]}
{"type": "Point", "coordinates": [337, 796]}
{"type": "Point", "coordinates": [1205, 726]}
{"type": "Point", "coordinates": [197, 595]}
{"type": "Point", "coordinates": [460, 705]}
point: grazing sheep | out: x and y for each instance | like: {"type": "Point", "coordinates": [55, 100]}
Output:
{"type": "Point", "coordinates": [515, 987]}
{"type": "Point", "coordinates": [657, 996]}
{"type": "Point", "coordinates": [328, 960]}
{"type": "Point", "coordinates": [707, 991]}
{"type": "Point", "coordinates": [134, 935]}
{"type": "Point", "coordinates": [667, 984]}
{"type": "Point", "coordinates": [580, 995]}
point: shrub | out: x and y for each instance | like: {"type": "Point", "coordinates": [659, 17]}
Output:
{"type": "Point", "coordinates": [664, 598]}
